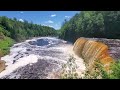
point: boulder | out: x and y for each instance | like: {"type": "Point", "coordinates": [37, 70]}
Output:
{"type": "Point", "coordinates": [2, 65]}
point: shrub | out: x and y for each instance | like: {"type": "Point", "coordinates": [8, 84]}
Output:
{"type": "Point", "coordinates": [69, 69]}
{"type": "Point", "coordinates": [101, 73]}
{"type": "Point", "coordinates": [115, 74]}
{"type": "Point", "coordinates": [98, 72]}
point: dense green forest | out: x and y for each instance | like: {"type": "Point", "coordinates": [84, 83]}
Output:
{"type": "Point", "coordinates": [18, 30]}
{"type": "Point", "coordinates": [97, 24]}
{"type": "Point", "coordinates": [12, 30]}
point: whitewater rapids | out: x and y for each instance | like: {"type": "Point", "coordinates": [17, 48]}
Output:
{"type": "Point", "coordinates": [38, 58]}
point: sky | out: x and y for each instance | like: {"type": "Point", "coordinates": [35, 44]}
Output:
{"type": "Point", "coordinates": [47, 18]}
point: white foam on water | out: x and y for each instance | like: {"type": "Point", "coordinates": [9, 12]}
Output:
{"type": "Point", "coordinates": [22, 62]}
{"type": "Point", "coordinates": [21, 47]}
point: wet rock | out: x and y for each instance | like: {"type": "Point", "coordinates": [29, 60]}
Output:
{"type": "Point", "coordinates": [32, 42]}
{"type": "Point", "coordinates": [28, 49]}
{"type": "Point", "coordinates": [2, 65]}
{"type": "Point", "coordinates": [39, 70]}
{"type": "Point", "coordinates": [14, 61]}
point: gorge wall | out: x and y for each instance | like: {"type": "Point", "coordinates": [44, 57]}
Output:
{"type": "Point", "coordinates": [92, 51]}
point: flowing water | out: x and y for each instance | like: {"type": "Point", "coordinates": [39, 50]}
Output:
{"type": "Point", "coordinates": [38, 58]}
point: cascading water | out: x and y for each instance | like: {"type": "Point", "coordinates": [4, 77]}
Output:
{"type": "Point", "coordinates": [91, 50]}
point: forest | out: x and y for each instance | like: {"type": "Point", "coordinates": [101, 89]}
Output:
{"type": "Point", "coordinates": [92, 24]}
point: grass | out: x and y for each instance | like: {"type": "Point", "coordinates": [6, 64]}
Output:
{"type": "Point", "coordinates": [115, 74]}
{"type": "Point", "coordinates": [5, 45]}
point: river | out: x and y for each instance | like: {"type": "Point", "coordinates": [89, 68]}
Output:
{"type": "Point", "coordinates": [38, 58]}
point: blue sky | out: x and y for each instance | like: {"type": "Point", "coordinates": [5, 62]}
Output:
{"type": "Point", "coordinates": [47, 18]}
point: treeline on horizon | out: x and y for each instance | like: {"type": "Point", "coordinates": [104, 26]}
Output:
{"type": "Point", "coordinates": [13, 30]}
{"type": "Point", "coordinates": [18, 30]}
{"type": "Point", "coordinates": [92, 24]}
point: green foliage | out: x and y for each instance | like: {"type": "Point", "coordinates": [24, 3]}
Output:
{"type": "Point", "coordinates": [23, 30]}
{"type": "Point", "coordinates": [69, 69]}
{"type": "Point", "coordinates": [101, 73]}
{"type": "Point", "coordinates": [98, 72]}
{"type": "Point", "coordinates": [99, 24]}
{"type": "Point", "coordinates": [5, 44]}
{"type": "Point", "coordinates": [115, 74]}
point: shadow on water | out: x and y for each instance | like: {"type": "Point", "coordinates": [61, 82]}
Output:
{"type": "Point", "coordinates": [48, 42]}
{"type": "Point", "coordinates": [42, 42]}
{"type": "Point", "coordinates": [39, 42]}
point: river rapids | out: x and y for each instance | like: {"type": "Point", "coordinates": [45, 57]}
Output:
{"type": "Point", "coordinates": [38, 58]}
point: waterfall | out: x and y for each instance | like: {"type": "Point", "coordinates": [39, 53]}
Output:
{"type": "Point", "coordinates": [92, 51]}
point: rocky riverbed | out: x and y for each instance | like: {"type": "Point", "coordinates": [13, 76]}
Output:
{"type": "Point", "coordinates": [38, 58]}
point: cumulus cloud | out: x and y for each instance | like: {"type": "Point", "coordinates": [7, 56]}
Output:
{"type": "Point", "coordinates": [67, 16]}
{"type": "Point", "coordinates": [47, 25]}
{"type": "Point", "coordinates": [21, 12]}
{"type": "Point", "coordinates": [44, 25]}
{"type": "Point", "coordinates": [53, 15]}
{"type": "Point", "coordinates": [49, 21]}
{"type": "Point", "coordinates": [21, 20]}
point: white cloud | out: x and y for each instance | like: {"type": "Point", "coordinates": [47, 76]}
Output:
{"type": "Point", "coordinates": [67, 16]}
{"type": "Point", "coordinates": [21, 12]}
{"type": "Point", "coordinates": [44, 25]}
{"type": "Point", "coordinates": [53, 15]}
{"type": "Point", "coordinates": [50, 26]}
{"type": "Point", "coordinates": [49, 21]}
{"type": "Point", "coordinates": [47, 25]}
{"type": "Point", "coordinates": [21, 20]}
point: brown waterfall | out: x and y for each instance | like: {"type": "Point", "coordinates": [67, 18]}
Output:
{"type": "Point", "coordinates": [92, 51]}
{"type": "Point", "coordinates": [78, 46]}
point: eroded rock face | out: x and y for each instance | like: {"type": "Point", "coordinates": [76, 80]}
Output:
{"type": "Point", "coordinates": [91, 51]}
